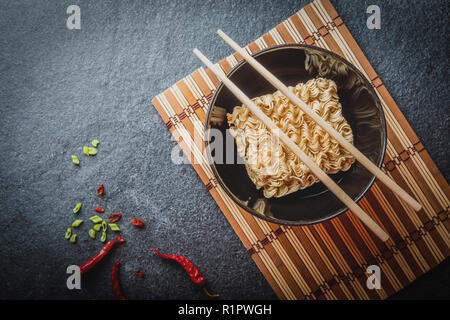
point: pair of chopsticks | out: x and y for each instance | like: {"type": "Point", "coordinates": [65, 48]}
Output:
{"type": "Point", "coordinates": [326, 180]}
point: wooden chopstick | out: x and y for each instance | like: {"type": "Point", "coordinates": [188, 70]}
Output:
{"type": "Point", "coordinates": [321, 122]}
{"type": "Point", "coordinates": [327, 181]}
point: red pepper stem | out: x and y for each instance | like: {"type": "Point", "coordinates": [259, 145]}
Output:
{"type": "Point", "coordinates": [209, 294]}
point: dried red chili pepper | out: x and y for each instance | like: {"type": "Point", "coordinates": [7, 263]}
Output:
{"type": "Point", "coordinates": [189, 267]}
{"type": "Point", "coordinates": [139, 273]}
{"type": "Point", "coordinates": [115, 217]}
{"type": "Point", "coordinates": [88, 265]}
{"type": "Point", "coordinates": [101, 189]}
{"type": "Point", "coordinates": [99, 210]}
{"type": "Point", "coordinates": [138, 223]}
{"type": "Point", "coordinates": [115, 281]}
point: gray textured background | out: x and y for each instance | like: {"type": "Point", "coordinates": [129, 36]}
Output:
{"type": "Point", "coordinates": [59, 89]}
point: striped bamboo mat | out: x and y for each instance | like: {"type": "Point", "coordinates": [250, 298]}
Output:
{"type": "Point", "coordinates": [328, 260]}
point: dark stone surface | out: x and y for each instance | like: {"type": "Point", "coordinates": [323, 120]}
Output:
{"type": "Point", "coordinates": [59, 89]}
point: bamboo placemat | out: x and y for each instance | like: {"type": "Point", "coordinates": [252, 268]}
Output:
{"type": "Point", "coordinates": [328, 260]}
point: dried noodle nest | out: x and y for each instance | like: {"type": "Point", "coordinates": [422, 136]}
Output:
{"type": "Point", "coordinates": [271, 165]}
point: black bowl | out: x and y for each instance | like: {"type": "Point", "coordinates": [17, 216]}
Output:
{"type": "Point", "coordinates": [362, 110]}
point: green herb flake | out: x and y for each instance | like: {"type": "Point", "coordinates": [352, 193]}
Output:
{"type": "Point", "coordinates": [77, 208]}
{"type": "Point", "coordinates": [75, 160]}
{"type": "Point", "coordinates": [97, 227]}
{"type": "Point", "coordinates": [92, 151]}
{"type": "Point", "coordinates": [77, 223]}
{"type": "Point", "coordinates": [96, 219]}
{"type": "Point", "coordinates": [103, 238]}
{"type": "Point", "coordinates": [73, 238]}
{"type": "Point", "coordinates": [114, 227]}
{"type": "Point", "coordinates": [86, 150]}
{"type": "Point", "coordinates": [68, 233]}
{"type": "Point", "coordinates": [95, 143]}
{"type": "Point", "coordinates": [92, 233]}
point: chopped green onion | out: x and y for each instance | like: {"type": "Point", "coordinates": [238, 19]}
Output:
{"type": "Point", "coordinates": [77, 223]}
{"type": "Point", "coordinates": [68, 233]}
{"type": "Point", "coordinates": [96, 219]}
{"type": "Point", "coordinates": [77, 208]}
{"type": "Point", "coordinates": [95, 143]}
{"type": "Point", "coordinates": [75, 160]}
{"type": "Point", "coordinates": [97, 227]}
{"type": "Point", "coordinates": [92, 151]}
{"type": "Point", "coordinates": [103, 238]}
{"type": "Point", "coordinates": [114, 227]}
{"type": "Point", "coordinates": [86, 150]}
{"type": "Point", "coordinates": [104, 226]}
{"type": "Point", "coordinates": [73, 238]}
{"type": "Point", "coordinates": [92, 233]}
